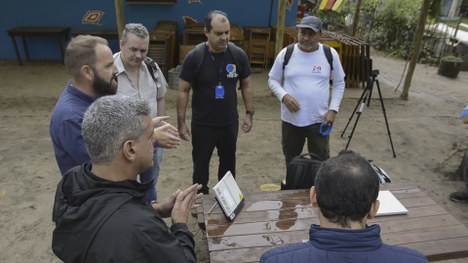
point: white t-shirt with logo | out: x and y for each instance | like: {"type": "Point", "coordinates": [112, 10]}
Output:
{"type": "Point", "coordinates": [307, 79]}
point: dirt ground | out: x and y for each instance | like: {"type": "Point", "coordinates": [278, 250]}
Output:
{"type": "Point", "coordinates": [427, 134]}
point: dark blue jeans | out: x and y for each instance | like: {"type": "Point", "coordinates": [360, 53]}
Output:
{"type": "Point", "coordinates": [153, 173]}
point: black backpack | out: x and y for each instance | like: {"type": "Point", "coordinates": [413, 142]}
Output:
{"type": "Point", "coordinates": [152, 67]}
{"type": "Point", "coordinates": [301, 172]}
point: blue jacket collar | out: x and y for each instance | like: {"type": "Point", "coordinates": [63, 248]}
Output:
{"type": "Point", "coordinates": [345, 239]}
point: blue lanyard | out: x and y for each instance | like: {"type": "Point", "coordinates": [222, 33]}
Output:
{"type": "Point", "coordinates": [214, 62]}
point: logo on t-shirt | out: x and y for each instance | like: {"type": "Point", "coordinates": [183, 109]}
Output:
{"type": "Point", "coordinates": [231, 70]}
{"type": "Point", "coordinates": [316, 69]}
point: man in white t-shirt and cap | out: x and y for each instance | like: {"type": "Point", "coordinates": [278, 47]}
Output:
{"type": "Point", "coordinates": [306, 100]}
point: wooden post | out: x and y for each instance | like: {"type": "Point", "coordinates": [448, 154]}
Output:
{"type": "Point", "coordinates": [280, 26]}
{"type": "Point", "coordinates": [417, 41]}
{"type": "Point", "coordinates": [119, 16]}
{"type": "Point", "coordinates": [356, 17]}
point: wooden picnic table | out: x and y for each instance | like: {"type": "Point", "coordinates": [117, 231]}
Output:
{"type": "Point", "coordinates": [37, 31]}
{"type": "Point", "coordinates": [271, 219]}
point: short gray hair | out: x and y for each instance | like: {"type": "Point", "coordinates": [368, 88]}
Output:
{"type": "Point", "coordinates": [109, 122]}
{"type": "Point", "coordinates": [135, 28]}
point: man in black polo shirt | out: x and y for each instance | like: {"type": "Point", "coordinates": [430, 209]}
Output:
{"type": "Point", "coordinates": [212, 70]}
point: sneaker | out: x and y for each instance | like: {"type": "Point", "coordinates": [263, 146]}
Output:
{"type": "Point", "coordinates": [204, 190]}
{"type": "Point", "coordinates": [459, 197]}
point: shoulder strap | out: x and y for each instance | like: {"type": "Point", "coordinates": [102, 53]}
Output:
{"type": "Point", "coordinates": [236, 55]}
{"type": "Point", "coordinates": [152, 67]}
{"type": "Point", "coordinates": [199, 50]}
{"type": "Point", "coordinates": [329, 56]}
{"type": "Point", "coordinates": [287, 56]}
{"type": "Point", "coordinates": [290, 49]}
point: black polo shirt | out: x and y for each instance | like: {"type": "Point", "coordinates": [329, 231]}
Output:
{"type": "Point", "coordinates": [216, 69]}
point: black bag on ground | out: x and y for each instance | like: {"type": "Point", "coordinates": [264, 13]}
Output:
{"type": "Point", "coordinates": [301, 172]}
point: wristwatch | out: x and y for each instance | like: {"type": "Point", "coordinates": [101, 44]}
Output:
{"type": "Point", "coordinates": [250, 112]}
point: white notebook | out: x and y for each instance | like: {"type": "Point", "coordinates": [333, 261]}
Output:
{"type": "Point", "coordinates": [229, 196]}
{"type": "Point", "coordinates": [389, 204]}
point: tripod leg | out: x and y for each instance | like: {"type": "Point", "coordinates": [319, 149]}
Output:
{"type": "Point", "coordinates": [370, 86]}
{"type": "Point", "coordinates": [354, 111]}
{"type": "Point", "coordinates": [385, 117]}
{"type": "Point", "coordinates": [354, 128]}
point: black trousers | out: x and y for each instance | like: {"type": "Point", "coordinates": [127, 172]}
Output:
{"type": "Point", "coordinates": [204, 140]}
{"type": "Point", "coordinates": [293, 139]}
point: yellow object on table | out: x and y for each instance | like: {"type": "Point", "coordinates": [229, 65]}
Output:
{"type": "Point", "coordinates": [270, 187]}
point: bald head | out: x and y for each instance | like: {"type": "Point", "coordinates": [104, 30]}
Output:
{"type": "Point", "coordinates": [217, 15]}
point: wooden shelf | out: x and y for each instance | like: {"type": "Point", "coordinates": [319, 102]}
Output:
{"type": "Point", "coordinates": [194, 34]}
{"type": "Point", "coordinates": [151, 1]}
{"type": "Point", "coordinates": [259, 42]}
{"type": "Point", "coordinates": [163, 45]}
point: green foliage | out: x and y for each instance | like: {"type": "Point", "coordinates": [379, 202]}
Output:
{"type": "Point", "coordinates": [426, 55]}
{"type": "Point", "coordinates": [390, 25]}
{"type": "Point", "coordinates": [387, 25]}
{"type": "Point", "coordinates": [334, 21]}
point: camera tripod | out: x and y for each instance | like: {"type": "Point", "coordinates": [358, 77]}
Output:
{"type": "Point", "coordinates": [365, 99]}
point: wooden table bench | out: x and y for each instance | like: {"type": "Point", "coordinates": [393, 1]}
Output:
{"type": "Point", "coordinates": [271, 219]}
{"type": "Point", "coordinates": [104, 33]}
{"type": "Point", "coordinates": [30, 31]}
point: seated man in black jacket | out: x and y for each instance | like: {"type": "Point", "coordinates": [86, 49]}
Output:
{"type": "Point", "coordinates": [100, 209]}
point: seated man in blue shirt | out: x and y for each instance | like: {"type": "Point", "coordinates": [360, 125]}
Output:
{"type": "Point", "coordinates": [345, 191]}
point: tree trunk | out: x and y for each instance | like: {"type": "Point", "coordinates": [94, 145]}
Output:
{"type": "Point", "coordinates": [356, 18]}
{"type": "Point", "coordinates": [416, 48]}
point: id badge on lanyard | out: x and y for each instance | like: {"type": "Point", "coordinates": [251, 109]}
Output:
{"type": "Point", "coordinates": [219, 92]}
